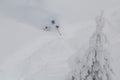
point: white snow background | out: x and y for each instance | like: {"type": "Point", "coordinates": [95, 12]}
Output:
{"type": "Point", "coordinates": [29, 53]}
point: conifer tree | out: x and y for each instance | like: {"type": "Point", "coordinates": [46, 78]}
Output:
{"type": "Point", "coordinates": [96, 62]}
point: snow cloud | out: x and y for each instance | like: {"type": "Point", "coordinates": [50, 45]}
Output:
{"type": "Point", "coordinates": [38, 12]}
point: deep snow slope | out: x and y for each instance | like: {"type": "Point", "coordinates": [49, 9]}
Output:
{"type": "Point", "coordinates": [16, 39]}
{"type": "Point", "coordinates": [30, 54]}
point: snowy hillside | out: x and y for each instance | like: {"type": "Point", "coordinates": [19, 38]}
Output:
{"type": "Point", "coordinates": [31, 54]}
{"type": "Point", "coordinates": [34, 54]}
{"type": "Point", "coordinates": [27, 52]}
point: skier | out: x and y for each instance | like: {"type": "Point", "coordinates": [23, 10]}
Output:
{"type": "Point", "coordinates": [56, 26]}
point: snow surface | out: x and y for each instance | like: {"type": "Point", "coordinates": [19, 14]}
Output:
{"type": "Point", "coordinates": [29, 53]}
{"type": "Point", "coordinates": [32, 54]}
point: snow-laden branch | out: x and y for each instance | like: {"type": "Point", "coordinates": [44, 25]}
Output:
{"type": "Point", "coordinates": [96, 62]}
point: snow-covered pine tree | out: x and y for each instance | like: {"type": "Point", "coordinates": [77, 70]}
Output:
{"type": "Point", "coordinates": [96, 63]}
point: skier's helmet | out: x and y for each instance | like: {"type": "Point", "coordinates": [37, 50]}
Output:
{"type": "Point", "coordinates": [53, 21]}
